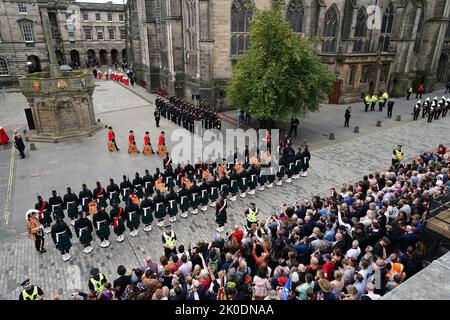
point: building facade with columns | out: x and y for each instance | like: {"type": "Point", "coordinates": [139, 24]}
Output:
{"type": "Point", "coordinates": [83, 33]}
{"type": "Point", "coordinates": [188, 47]}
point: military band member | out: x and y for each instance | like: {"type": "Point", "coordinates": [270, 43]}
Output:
{"type": "Point", "coordinates": [214, 187]}
{"type": "Point", "coordinates": [221, 213]}
{"type": "Point", "coordinates": [132, 148]}
{"type": "Point", "coordinates": [306, 155]}
{"type": "Point", "coordinates": [262, 176]}
{"type": "Point", "coordinates": [132, 215]}
{"type": "Point", "coordinates": [85, 196]}
{"type": "Point", "coordinates": [437, 111]}
{"type": "Point", "coordinates": [271, 177]}
{"type": "Point", "coordinates": [147, 209]}
{"type": "Point", "coordinates": [117, 218]}
{"type": "Point", "coordinates": [83, 231]}
{"type": "Point", "coordinates": [56, 205]}
{"type": "Point", "coordinates": [113, 192]}
{"type": "Point", "coordinates": [190, 171]}
{"type": "Point", "coordinates": [252, 179]}
{"type": "Point", "coordinates": [112, 140]}
{"type": "Point", "coordinates": [195, 197]}
{"type": "Point", "coordinates": [162, 144]}
{"type": "Point", "coordinates": [138, 184]}
{"type": "Point", "coordinates": [289, 155]}
{"type": "Point", "coordinates": [234, 184]}
{"type": "Point", "coordinates": [171, 201]}
{"type": "Point", "coordinates": [281, 170]}
{"type": "Point", "coordinates": [243, 181]}
{"type": "Point", "coordinates": [101, 226]}
{"type": "Point", "coordinates": [199, 170]}
{"type": "Point", "coordinates": [167, 161]}
{"type": "Point", "coordinates": [61, 236]}
{"type": "Point", "coordinates": [71, 204]}
{"type": "Point", "coordinates": [148, 183]}
{"type": "Point", "coordinates": [169, 240]}
{"type": "Point", "coordinates": [184, 197]}
{"type": "Point", "coordinates": [224, 185]}
{"type": "Point", "coordinates": [204, 195]}
{"type": "Point", "coordinates": [160, 208]}
{"type": "Point", "coordinates": [100, 195]}
{"type": "Point", "coordinates": [44, 216]}
{"type": "Point", "coordinates": [125, 188]}
{"type": "Point", "coordinates": [147, 149]}
{"type": "Point", "coordinates": [169, 177]}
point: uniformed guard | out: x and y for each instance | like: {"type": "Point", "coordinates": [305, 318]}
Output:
{"type": "Point", "coordinates": [44, 216]}
{"type": "Point", "coordinates": [97, 281]}
{"type": "Point", "coordinates": [397, 155]}
{"type": "Point", "coordinates": [262, 176]}
{"type": "Point", "coordinates": [224, 185]}
{"type": "Point", "coordinates": [56, 204]}
{"type": "Point", "coordinates": [117, 218]}
{"type": "Point", "coordinates": [113, 192]}
{"type": "Point", "coordinates": [85, 196]}
{"type": "Point", "coordinates": [204, 195]}
{"type": "Point", "coordinates": [30, 291]}
{"type": "Point", "coordinates": [83, 231]}
{"type": "Point", "coordinates": [101, 225]}
{"type": "Point", "coordinates": [147, 148]}
{"type": "Point", "coordinates": [169, 177]}
{"type": "Point", "coordinates": [61, 235]}
{"type": "Point", "coordinates": [281, 170]}
{"type": "Point", "coordinates": [71, 204]}
{"type": "Point", "coordinates": [251, 215]}
{"type": "Point", "coordinates": [213, 187]}
{"type": "Point", "coordinates": [298, 164]}
{"type": "Point", "coordinates": [184, 197]}
{"type": "Point", "coordinates": [243, 181]}
{"type": "Point", "coordinates": [252, 179]}
{"type": "Point", "coordinates": [100, 195]}
{"type": "Point", "coordinates": [195, 197]}
{"type": "Point", "coordinates": [138, 184]}
{"type": "Point", "coordinates": [160, 208]}
{"type": "Point", "coordinates": [221, 213]}
{"type": "Point", "coordinates": [171, 201]}
{"type": "Point", "coordinates": [125, 188]}
{"type": "Point", "coordinates": [147, 209]}
{"type": "Point", "coordinates": [169, 240]}
{"type": "Point", "coordinates": [148, 183]}
{"type": "Point", "coordinates": [306, 155]}
{"type": "Point", "coordinates": [234, 184]}
{"type": "Point", "coordinates": [132, 216]}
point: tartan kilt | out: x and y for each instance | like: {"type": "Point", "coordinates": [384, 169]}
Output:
{"type": "Point", "coordinates": [234, 186]}
{"type": "Point", "coordinates": [114, 198]}
{"type": "Point", "coordinates": [205, 198]}
{"type": "Point", "coordinates": [281, 172]}
{"type": "Point", "coordinates": [172, 211]}
{"type": "Point", "coordinates": [185, 204]}
{"type": "Point", "coordinates": [242, 185]}
{"type": "Point", "coordinates": [195, 203]}
{"type": "Point", "coordinates": [63, 243]}
{"type": "Point", "coordinates": [147, 219]}
{"type": "Point", "coordinates": [252, 182]}
{"type": "Point", "coordinates": [224, 189]}
{"type": "Point", "coordinates": [262, 179]}
{"type": "Point", "coordinates": [161, 212]}
{"type": "Point", "coordinates": [120, 227]}
{"type": "Point", "coordinates": [133, 223]}
{"type": "Point", "coordinates": [58, 212]}
{"type": "Point", "coordinates": [139, 193]}
{"type": "Point", "coordinates": [298, 166]}
{"type": "Point", "coordinates": [214, 194]}
{"type": "Point", "coordinates": [46, 218]}
{"type": "Point", "coordinates": [126, 196]}
{"type": "Point", "coordinates": [290, 169]}
{"type": "Point", "coordinates": [72, 210]}
{"type": "Point", "coordinates": [86, 237]}
{"type": "Point", "coordinates": [102, 202]}
{"type": "Point", "coordinates": [221, 218]}
{"type": "Point", "coordinates": [306, 166]}
{"type": "Point", "coordinates": [104, 231]}
{"type": "Point", "coordinates": [271, 178]}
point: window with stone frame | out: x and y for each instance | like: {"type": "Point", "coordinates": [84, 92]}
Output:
{"type": "Point", "coordinates": [241, 15]}
{"type": "Point", "coordinates": [330, 27]}
{"type": "Point", "coordinates": [110, 17]}
{"type": "Point", "coordinates": [419, 31]}
{"type": "Point", "coordinates": [360, 44]}
{"type": "Point", "coordinates": [71, 34]}
{"type": "Point", "coordinates": [97, 17]}
{"type": "Point", "coordinates": [4, 70]}
{"type": "Point", "coordinates": [27, 31]}
{"type": "Point", "coordinates": [384, 72]}
{"type": "Point", "coordinates": [367, 74]}
{"type": "Point", "coordinates": [294, 15]}
{"type": "Point", "coordinates": [111, 34]}
{"type": "Point", "coordinates": [100, 35]}
{"type": "Point", "coordinates": [122, 34]}
{"type": "Point", "coordinates": [85, 17]}
{"type": "Point", "coordinates": [23, 8]}
{"type": "Point", "coordinates": [121, 19]}
{"type": "Point", "coordinates": [88, 33]}
{"type": "Point", "coordinates": [352, 76]}
{"type": "Point", "coordinates": [191, 37]}
{"type": "Point", "coordinates": [386, 28]}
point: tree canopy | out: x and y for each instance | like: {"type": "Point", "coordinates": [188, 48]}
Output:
{"type": "Point", "coordinates": [279, 75]}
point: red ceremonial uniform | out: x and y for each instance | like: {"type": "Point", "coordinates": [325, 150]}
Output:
{"type": "Point", "coordinates": [111, 135]}
{"type": "Point", "coordinates": [3, 136]}
{"type": "Point", "coordinates": [161, 140]}
{"type": "Point", "coordinates": [131, 138]}
{"type": "Point", "coordinates": [146, 139]}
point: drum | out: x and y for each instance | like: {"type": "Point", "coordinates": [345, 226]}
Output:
{"type": "Point", "coordinates": [147, 150]}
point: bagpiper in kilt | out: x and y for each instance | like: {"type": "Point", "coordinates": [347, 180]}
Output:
{"type": "Point", "coordinates": [117, 218]}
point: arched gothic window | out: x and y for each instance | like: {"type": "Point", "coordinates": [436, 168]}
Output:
{"type": "Point", "coordinates": [294, 15]}
{"type": "Point", "coordinates": [330, 30]}
{"type": "Point", "coordinates": [4, 70]}
{"type": "Point", "coordinates": [386, 28]}
{"type": "Point", "coordinates": [359, 45]}
{"type": "Point", "coordinates": [241, 15]}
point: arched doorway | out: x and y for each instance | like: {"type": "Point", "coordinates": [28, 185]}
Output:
{"type": "Point", "coordinates": [114, 56]}
{"type": "Point", "coordinates": [34, 64]}
{"type": "Point", "coordinates": [75, 58]}
{"type": "Point", "coordinates": [103, 57]}
{"type": "Point", "coordinates": [124, 54]}
{"type": "Point", "coordinates": [442, 68]}
{"type": "Point", "coordinates": [60, 57]}
{"type": "Point", "coordinates": [92, 58]}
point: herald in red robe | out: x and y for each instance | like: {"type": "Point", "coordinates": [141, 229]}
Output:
{"type": "Point", "coordinates": [161, 140]}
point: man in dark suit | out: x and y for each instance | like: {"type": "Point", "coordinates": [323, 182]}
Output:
{"type": "Point", "coordinates": [18, 143]}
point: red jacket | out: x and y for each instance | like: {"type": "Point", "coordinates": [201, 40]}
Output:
{"type": "Point", "coordinates": [131, 138]}
{"type": "Point", "coordinates": [161, 140]}
{"type": "Point", "coordinates": [420, 89]}
{"type": "Point", "coordinates": [146, 139]}
{"type": "Point", "coordinates": [111, 135]}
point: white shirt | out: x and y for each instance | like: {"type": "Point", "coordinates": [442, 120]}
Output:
{"type": "Point", "coordinates": [353, 253]}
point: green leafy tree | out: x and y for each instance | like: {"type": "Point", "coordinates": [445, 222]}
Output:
{"type": "Point", "coordinates": [279, 76]}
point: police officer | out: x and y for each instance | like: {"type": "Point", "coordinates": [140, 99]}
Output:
{"type": "Point", "coordinates": [113, 192]}
{"type": "Point", "coordinates": [169, 240]}
{"type": "Point", "coordinates": [367, 102]}
{"type": "Point", "coordinates": [408, 92]}
{"type": "Point", "coordinates": [251, 215]}
{"type": "Point", "coordinates": [83, 231]}
{"type": "Point", "coordinates": [85, 196]}
{"type": "Point", "coordinates": [373, 102]}
{"type": "Point", "coordinates": [97, 281]}
{"type": "Point", "coordinates": [147, 208]}
{"type": "Point", "coordinates": [30, 291]}
{"type": "Point", "coordinates": [101, 226]}
{"type": "Point", "coordinates": [397, 155]}
{"type": "Point", "coordinates": [61, 235]}
{"type": "Point", "coordinates": [71, 204]}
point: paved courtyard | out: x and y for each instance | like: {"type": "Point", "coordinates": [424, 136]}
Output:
{"type": "Point", "coordinates": [72, 163]}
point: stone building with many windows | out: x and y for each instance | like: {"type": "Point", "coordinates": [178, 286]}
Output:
{"type": "Point", "coordinates": [189, 46]}
{"type": "Point", "coordinates": [83, 34]}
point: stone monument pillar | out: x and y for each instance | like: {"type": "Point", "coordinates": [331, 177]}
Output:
{"type": "Point", "coordinates": [61, 101]}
